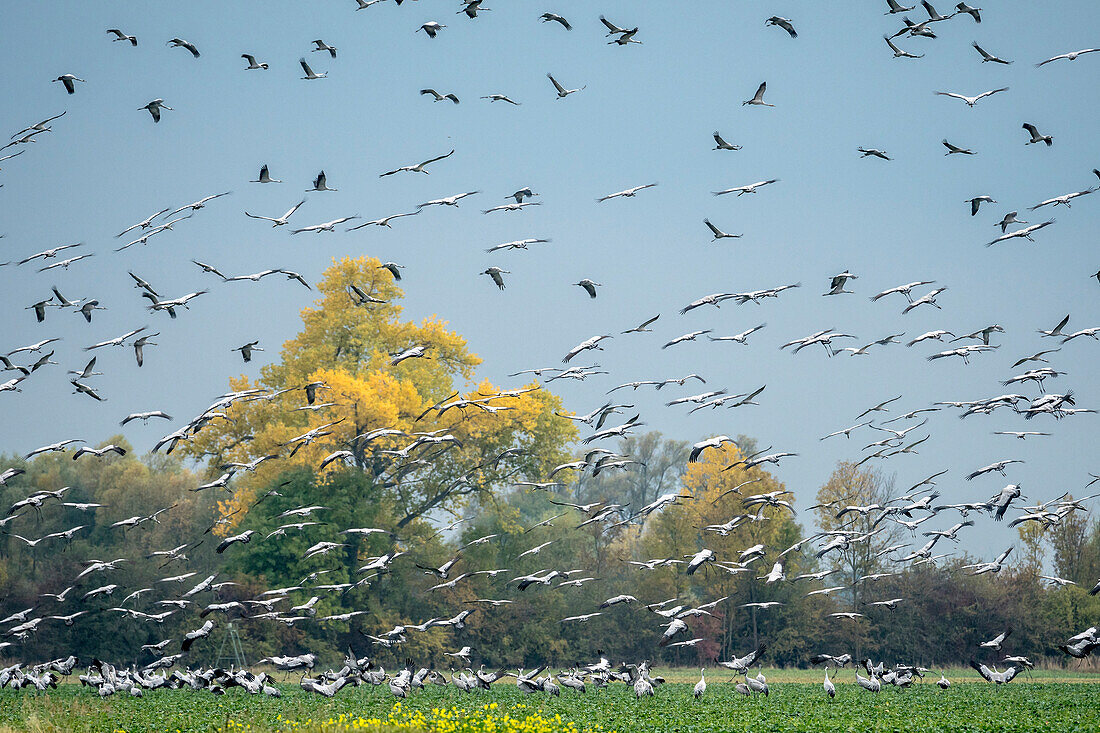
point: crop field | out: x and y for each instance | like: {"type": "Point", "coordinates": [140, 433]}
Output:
{"type": "Point", "coordinates": [1080, 674]}
{"type": "Point", "coordinates": [793, 706]}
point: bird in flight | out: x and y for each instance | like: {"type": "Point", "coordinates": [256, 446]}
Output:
{"type": "Point", "coordinates": [718, 233]}
{"type": "Point", "coordinates": [500, 98]}
{"type": "Point", "coordinates": [758, 98]}
{"type": "Point", "coordinates": [1036, 136]}
{"type": "Point", "coordinates": [419, 167]}
{"type": "Point", "coordinates": [252, 63]}
{"type": "Point", "coordinates": [180, 43]}
{"type": "Point", "coordinates": [721, 144]}
{"type": "Point", "coordinates": [956, 149]}
{"type": "Point", "coordinates": [784, 23]}
{"type": "Point", "coordinates": [154, 108]}
{"type": "Point", "coordinates": [553, 17]}
{"type": "Point", "coordinates": [873, 152]}
{"type": "Point", "coordinates": [628, 193]}
{"type": "Point", "coordinates": [899, 53]}
{"type": "Point", "coordinates": [437, 97]}
{"type": "Point", "coordinates": [281, 220]}
{"type": "Point", "coordinates": [320, 183]}
{"type": "Point", "coordinates": [67, 80]}
{"type": "Point", "coordinates": [322, 46]}
{"type": "Point", "coordinates": [562, 91]}
{"type": "Point", "coordinates": [1071, 56]}
{"type": "Point", "coordinates": [384, 221]}
{"type": "Point", "coordinates": [328, 226]}
{"type": "Point", "coordinates": [120, 36]}
{"type": "Point", "coordinates": [988, 57]}
{"type": "Point", "coordinates": [971, 101]}
{"type": "Point", "coordinates": [897, 8]}
{"type": "Point", "coordinates": [265, 176]}
{"type": "Point", "coordinates": [749, 188]}
{"type": "Point", "coordinates": [432, 28]}
{"type": "Point", "coordinates": [310, 75]}
{"type": "Point", "coordinates": [495, 273]}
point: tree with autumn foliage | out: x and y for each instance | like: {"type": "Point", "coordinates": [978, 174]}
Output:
{"type": "Point", "coordinates": [850, 485]}
{"type": "Point", "coordinates": [346, 353]}
{"type": "Point", "coordinates": [712, 515]}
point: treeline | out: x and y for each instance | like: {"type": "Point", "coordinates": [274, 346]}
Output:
{"type": "Point", "coordinates": [943, 614]}
{"type": "Point", "coordinates": [92, 495]}
{"type": "Point", "coordinates": [359, 469]}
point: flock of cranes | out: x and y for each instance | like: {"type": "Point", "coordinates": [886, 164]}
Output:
{"type": "Point", "coordinates": [672, 626]}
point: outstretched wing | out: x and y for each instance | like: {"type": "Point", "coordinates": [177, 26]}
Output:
{"type": "Point", "coordinates": [983, 670]}
{"type": "Point", "coordinates": [441, 157]}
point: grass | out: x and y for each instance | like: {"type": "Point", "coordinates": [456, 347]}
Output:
{"type": "Point", "coordinates": [792, 706]}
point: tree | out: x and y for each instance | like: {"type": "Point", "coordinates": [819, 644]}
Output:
{"type": "Point", "coordinates": [529, 630]}
{"type": "Point", "coordinates": [1076, 544]}
{"type": "Point", "coordinates": [851, 486]}
{"type": "Point", "coordinates": [448, 447]}
{"type": "Point", "coordinates": [659, 464]}
{"type": "Point", "coordinates": [1034, 538]}
{"type": "Point", "coordinates": [692, 524]}
{"type": "Point", "coordinates": [1072, 540]}
{"type": "Point", "coordinates": [124, 487]}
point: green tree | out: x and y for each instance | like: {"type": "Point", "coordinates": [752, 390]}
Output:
{"type": "Point", "coordinates": [125, 486]}
{"type": "Point", "coordinates": [1076, 545]}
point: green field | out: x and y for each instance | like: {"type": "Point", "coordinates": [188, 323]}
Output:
{"type": "Point", "coordinates": [792, 706]}
{"type": "Point", "coordinates": [955, 674]}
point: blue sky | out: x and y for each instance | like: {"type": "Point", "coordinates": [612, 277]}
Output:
{"type": "Point", "coordinates": [646, 115]}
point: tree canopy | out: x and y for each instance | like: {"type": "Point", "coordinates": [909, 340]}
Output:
{"type": "Point", "coordinates": [368, 371]}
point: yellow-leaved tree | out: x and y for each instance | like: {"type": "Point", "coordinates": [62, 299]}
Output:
{"type": "Point", "coordinates": [358, 388]}
{"type": "Point", "coordinates": [713, 515]}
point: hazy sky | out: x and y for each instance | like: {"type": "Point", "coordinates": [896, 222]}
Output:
{"type": "Point", "coordinates": [646, 115]}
